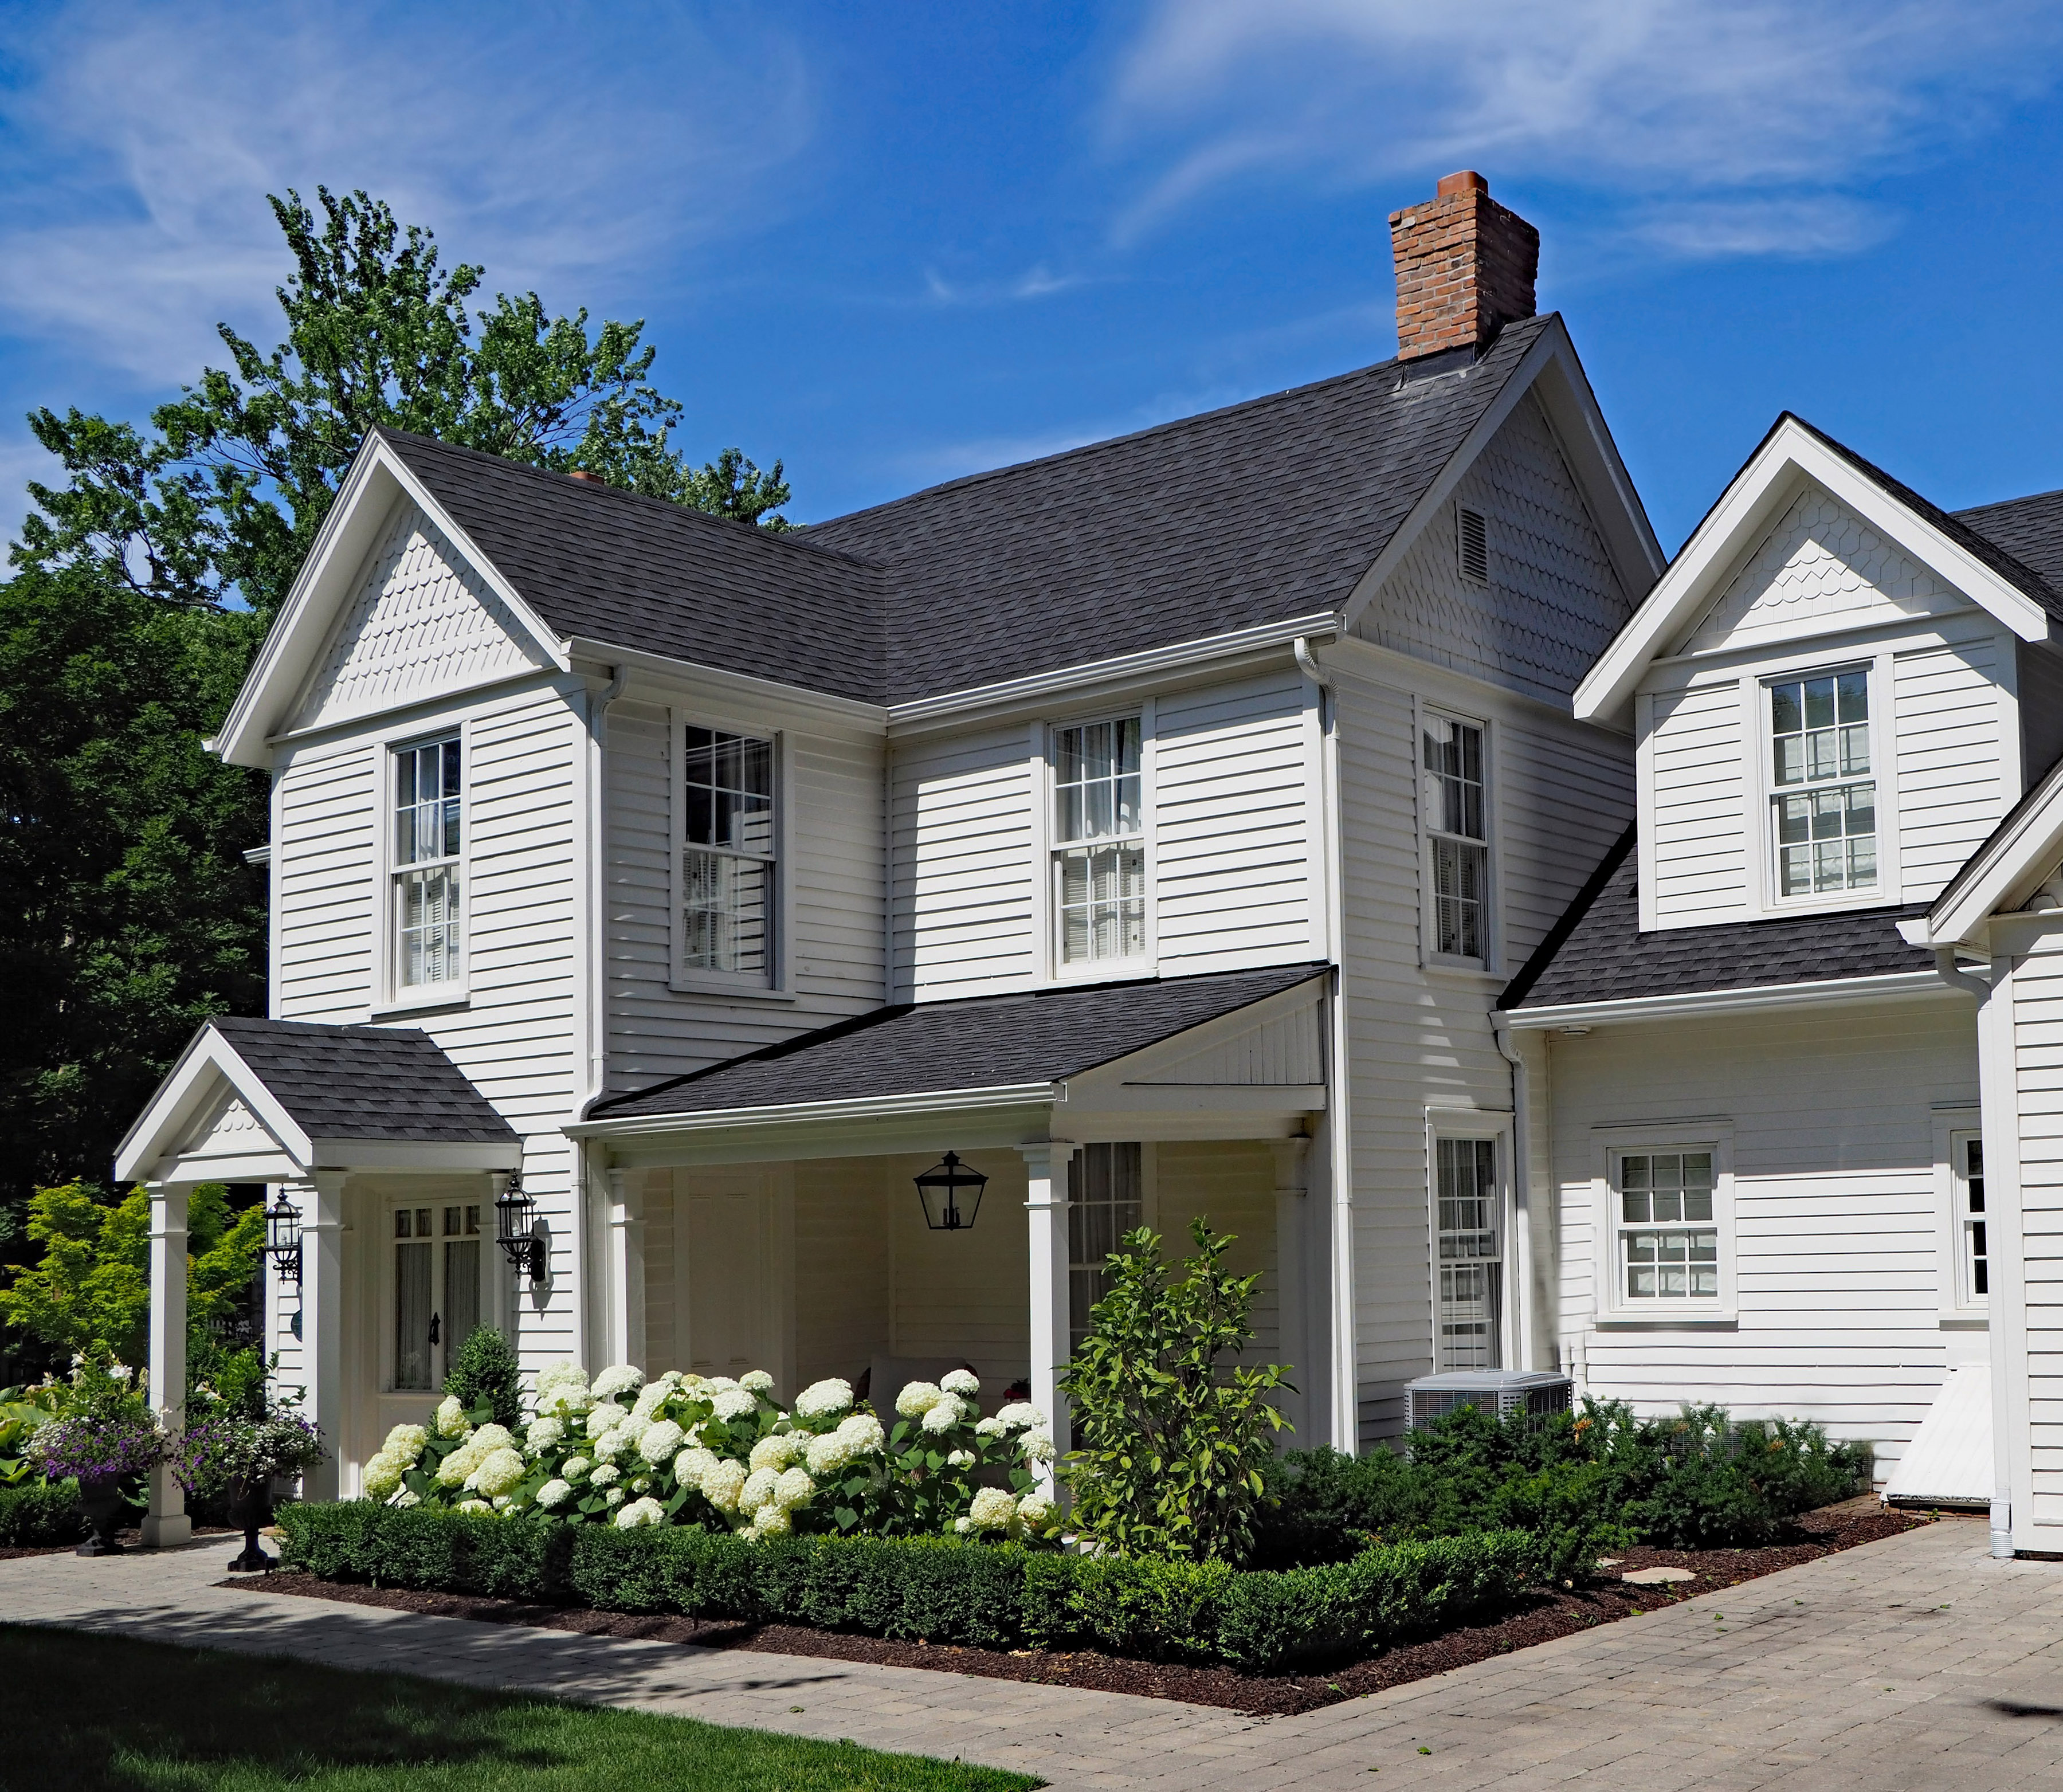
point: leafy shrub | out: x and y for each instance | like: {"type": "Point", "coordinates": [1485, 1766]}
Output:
{"type": "Point", "coordinates": [1002, 1596]}
{"type": "Point", "coordinates": [485, 1373]}
{"type": "Point", "coordinates": [40, 1512]}
{"type": "Point", "coordinates": [1170, 1437]}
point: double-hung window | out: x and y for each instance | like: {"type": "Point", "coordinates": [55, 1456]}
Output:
{"type": "Point", "coordinates": [727, 855]}
{"type": "Point", "coordinates": [1456, 836]}
{"type": "Point", "coordinates": [428, 791]}
{"type": "Point", "coordinates": [1099, 842]}
{"type": "Point", "coordinates": [1471, 1251]}
{"type": "Point", "coordinates": [1668, 1236]}
{"type": "Point", "coordinates": [1972, 1251]}
{"type": "Point", "coordinates": [1106, 1199]}
{"type": "Point", "coordinates": [1823, 807]}
{"type": "Point", "coordinates": [438, 1258]}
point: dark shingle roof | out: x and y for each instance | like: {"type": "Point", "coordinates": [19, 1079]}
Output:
{"type": "Point", "coordinates": [1597, 952]}
{"type": "Point", "coordinates": [983, 1041]}
{"type": "Point", "coordinates": [2030, 529]}
{"type": "Point", "coordinates": [363, 1081]}
{"type": "Point", "coordinates": [1261, 511]}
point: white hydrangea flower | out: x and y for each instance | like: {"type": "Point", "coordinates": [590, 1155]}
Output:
{"type": "Point", "coordinates": [992, 1509]}
{"type": "Point", "coordinates": [990, 1428]}
{"type": "Point", "coordinates": [648, 1401]}
{"type": "Point", "coordinates": [1036, 1446]}
{"type": "Point", "coordinates": [660, 1443]}
{"type": "Point", "coordinates": [943, 1416]}
{"type": "Point", "coordinates": [794, 1488]}
{"type": "Point", "coordinates": [829, 1454]}
{"type": "Point", "coordinates": [491, 1437]}
{"type": "Point", "coordinates": [382, 1474]}
{"type": "Point", "coordinates": [1038, 1512]}
{"type": "Point", "coordinates": [617, 1440]}
{"type": "Point", "coordinates": [962, 1526]}
{"type": "Point", "coordinates": [562, 1389]}
{"type": "Point", "coordinates": [451, 1417]}
{"type": "Point", "coordinates": [617, 1379]}
{"type": "Point", "coordinates": [963, 1382]}
{"type": "Point", "coordinates": [918, 1398]}
{"type": "Point", "coordinates": [405, 1499]}
{"type": "Point", "coordinates": [499, 1472]}
{"type": "Point", "coordinates": [607, 1475]}
{"type": "Point", "coordinates": [735, 1403]}
{"type": "Point", "coordinates": [960, 1459]}
{"type": "Point", "coordinates": [778, 1450]}
{"type": "Point", "coordinates": [406, 1443]}
{"type": "Point", "coordinates": [475, 1505]}
{"type": "Point", "coordinates": [503, 1503]}
{"type": "Point", "coordinates": [613, 1496]}
{"type": "Point", "coordinates": [756, 1381]}
{"type": "Point", "coordinates": [542, 1432]}
{"type": "Point", "coordinates": [716, 1383]}
{"type": "Point", "coordinates": [758, 1489]}
{"type": "Point", "coordinates": [863, 1431]}
{"type": "Point", "coordinates": [771, 1520]}
{"type": "Point", "coordinates": [574, 1467]}
{"type": "Point", "coordinates": [642, 1484]}
{"type": "Point", "coordinates": [821, 1399]}
{"type": "Point", "coordinates": [692, 1464]}
{"type": "Point", "coordinates": [455, 1468]}
{"type": "Point", "coordinates": [603, 1418]}
{"type": "Point", "coordinates": [723, 1484]}
{"type": "Point", "coordinates": [641, 1512]}
{"type": "Point", "coordinates": [554, 1492]}
{"type": "Point", "coordinates": [1021, 1415]}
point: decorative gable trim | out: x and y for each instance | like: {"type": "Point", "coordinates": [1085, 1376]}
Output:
{"type": "Point", "coordinates": [186, 1133]}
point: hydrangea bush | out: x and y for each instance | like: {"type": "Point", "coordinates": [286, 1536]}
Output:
{"type": "Point", "coordinates": [721, 1453]}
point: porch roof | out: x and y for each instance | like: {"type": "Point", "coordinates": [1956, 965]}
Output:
{"type": "Point", "coordinates": [977, 1043]}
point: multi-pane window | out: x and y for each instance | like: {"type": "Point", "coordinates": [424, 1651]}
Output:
{"type": "Point", "coordinates": [1456, 835]}
{"type": "Point", "coordinates": [727, 854]}
{"type": "Point", "coordinates": [428, 789]}
{"type": "Point", "coordinates": [1100, 841]}
{"type": "Point", "coordinates": [1824, 808]}
{"type": "Point", "coordinates": [1971, 1250]}
{"type": "Point", "coordinates": [437, 1259]}
{"type": "Point", "coordinates": [1105, 1201]}
{"type": "Point", "coordinates": [1668, 1241]}
{"type": "Point", "coordinates": [1471, 1252]}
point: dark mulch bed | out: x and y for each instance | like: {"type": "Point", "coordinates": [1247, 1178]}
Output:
{"type": "Point", "coordinates": [1542, 1618]}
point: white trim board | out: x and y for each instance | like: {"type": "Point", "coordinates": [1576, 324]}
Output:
{"type": "Point", "coordinates": [1898, 986]}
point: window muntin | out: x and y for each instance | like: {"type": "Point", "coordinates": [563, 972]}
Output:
{"type": "Point", "coordinates": [1668, 1239]}
{"type": "Point", "coordinates": [438, 1256]}
{"type": "Point", "coordinates": [428, 794]}
{"type": "Point", "coordinates": [1456, 834]}
{"type": "Point", "coordinates": [1100, 840]}
{"type": "Point", "coordinates": [1823, 810]}
{"type": "Point", "coordinates": [727, 852]}
{"type": "Point", "coordinates": [1471, 1253]}
{"type": "Point", "coordinates": [1972, 1248]}
{"type": "Point", "coordinates": [1106, 1199]}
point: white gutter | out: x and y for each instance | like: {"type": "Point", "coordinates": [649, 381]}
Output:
{"type": "Point", "coordinates": [806, 1113]}
{"type": "Point", "coordinates": [1723, 1001]}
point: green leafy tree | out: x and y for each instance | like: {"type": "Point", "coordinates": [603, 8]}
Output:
{"type": "Point", "coordinates": [1172, 1434]}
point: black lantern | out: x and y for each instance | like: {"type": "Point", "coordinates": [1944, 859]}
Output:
{"type": "Point", "coordinates": [943, 1187]}
{"type": "Point", "coordinates": [518, 1230]}
{"type": "Point", "coordinates": [282, 1239]}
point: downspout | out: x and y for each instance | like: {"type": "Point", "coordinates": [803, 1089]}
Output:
{"type": "Point", "coordinates": [597, 1017]}
{"type": "Point", "coordinates": [1522, 1216]}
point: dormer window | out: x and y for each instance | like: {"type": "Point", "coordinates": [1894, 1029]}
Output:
{"type": "Point", "coordinates": [1823, 805]}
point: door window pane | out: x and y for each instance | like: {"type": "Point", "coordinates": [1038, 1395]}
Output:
{"type": "Point", "coordinates": [412, 1367]}
{"type": "Point", "coordinates": [462, 1308]}
{"type": "Point", "coordinates": [1105, 1201]}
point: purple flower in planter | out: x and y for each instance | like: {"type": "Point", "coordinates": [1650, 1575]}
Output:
{"type": "Point", "coordinates": [97, 1446]}
{"type": "Point", "coordinates": [232, 1447]}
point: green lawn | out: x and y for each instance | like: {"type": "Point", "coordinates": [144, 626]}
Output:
{"type": "Point", "coordinates": [79, 1711]}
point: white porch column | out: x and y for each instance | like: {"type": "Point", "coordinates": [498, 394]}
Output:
{"type": "Point", "coordinates": [167, 1521]}
{"type": "Point", "coordinates": [1293, 1327]}
{"type": "Point", "coordinates": [321, 1200]}
{"type": "Point", "coordinates": [1046, 1204]}
{"type": "Point", "coordinates": [626, 1268]}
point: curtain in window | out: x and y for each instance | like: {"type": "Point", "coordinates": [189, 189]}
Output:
{"type": "Point", "coordinates": [1104, 1202]}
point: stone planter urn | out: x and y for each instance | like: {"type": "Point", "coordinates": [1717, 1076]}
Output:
{"type": "Point", "coordinates": [100, 1499]}
{"type": "Point", "coordinates": [250, 1509]}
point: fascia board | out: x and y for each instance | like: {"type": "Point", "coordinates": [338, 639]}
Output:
{"type": "Point", "coordinates": [274, 1166]}
{"type": "Point", "coordinates": [674, 678]}
{"type": "Point", "coordinates": [1789, 453]}
{"type": "Point", "coordinates": [2002, 870]}
{"type": "Point", "coordinates": [1827, 993]}
{"type": "Point", "coordinates": [1563, 389]}
{"type": "Point", "coordinates": [417, 1154]}
{"type": "Point", "coordinates": [187, 1088]}
{"type": "Point", "coordinates": [818, 1113]}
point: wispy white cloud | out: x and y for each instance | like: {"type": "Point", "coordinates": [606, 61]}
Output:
{"type": "Point", "coordinates": [1036, 282]}
{"type": "Point", "coordinates": [1673, 112]}
{"type": "Point", "coordinates": [548, 142]}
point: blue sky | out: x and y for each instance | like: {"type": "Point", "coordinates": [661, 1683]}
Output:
{"type": "Point", "coordinates": [896, 242]}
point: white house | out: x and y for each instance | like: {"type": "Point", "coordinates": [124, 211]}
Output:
{"type": "Point", "coordinates": [1154, 826]}
{"type": "Point", "coordinates": [1790, 1061]}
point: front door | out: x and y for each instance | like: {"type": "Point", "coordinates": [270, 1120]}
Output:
{"type": "Point", "coordinates": [439, 1266]}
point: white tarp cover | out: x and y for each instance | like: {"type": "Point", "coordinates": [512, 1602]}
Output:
{"type": "Point", "coordinates": [1949, 1460]}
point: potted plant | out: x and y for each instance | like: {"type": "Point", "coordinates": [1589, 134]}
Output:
{"type": "Point", "coordinates": [109, 1443]}
{"type": "Point", "coordinates": [238, 1453]}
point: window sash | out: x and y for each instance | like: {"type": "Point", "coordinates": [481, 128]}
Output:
{"type": "Point", "coordinates": [1098, 791]}
{"type": "Point", "coordinates": [423, 881]}
{"type": "Point", "coordinates": [1972, 1244]}
{"type": "Point", "coordinates": [728, 857]}
{"type": "Point", "coordinates": [1103, 903]}
{"type": "Point", "coordinates": [426, 905]}
{"type": "Point", "coordinates": [1469, 1225]}
{"type": "Point", "coordinates": [1106, 1199]}
{"type": "Point", "coordinates": [1453, 798]}
{"type": "Point", "coordinates": [1823, 800]}
{"type": "Point", "coordinates": [1666, 1226]}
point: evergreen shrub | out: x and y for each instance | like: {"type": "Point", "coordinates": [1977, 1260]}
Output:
{"type": "Point", "coordinates": [37, 1514]}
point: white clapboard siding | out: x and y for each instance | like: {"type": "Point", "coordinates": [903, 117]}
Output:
{"type": "Point", "coordinates": [322, 873]}
{"type": "Point", "coordinates": [832, 873]}
{"type": "Point", "coordinates": [1953, 780]}
{"type": "Point", "coordinates": [1419, 1038]}
{"type": "Point", "coordinates": [421, 624]}
{"type": "Point", "coordinates": [1832, 1115]}
{"type": "Point", "coordinates": [2036, 990]}
{"type": "Point", "coordinates": [1696, 851]}
{"type": "Point", "coordinates": [1553, 602]}
{"type": "Point", "coordinates": [1231, 861]}
{"type": "Point", "coordinates": [962, 843]}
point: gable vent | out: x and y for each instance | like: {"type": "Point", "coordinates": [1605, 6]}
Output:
{"type": "Point", "coordinates": [1474, 542]}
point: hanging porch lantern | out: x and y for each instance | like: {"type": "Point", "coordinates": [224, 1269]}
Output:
{"type": "Point", "coordinates": [282, 1239]}
{"type": "Point", "coordinates": [518, 1230]}
{"type": "Point", "coordinates": [951, 1194]}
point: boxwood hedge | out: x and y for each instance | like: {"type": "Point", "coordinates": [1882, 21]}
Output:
{"type": "Point", "coordinates": [39, 1513]}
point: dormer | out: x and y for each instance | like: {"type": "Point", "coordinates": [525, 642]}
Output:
{"type": "Point", "coordinates": [1836, 691]}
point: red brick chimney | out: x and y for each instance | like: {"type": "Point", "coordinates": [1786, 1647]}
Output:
{"type": "Point", "coordinates": [1464, 268]}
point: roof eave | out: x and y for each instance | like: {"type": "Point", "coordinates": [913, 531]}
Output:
{"type": "Point", "coordinates": [1684, 1004]}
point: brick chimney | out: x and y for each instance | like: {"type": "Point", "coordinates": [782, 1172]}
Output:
{"type": "Point", "coordinates": [1464, 268]}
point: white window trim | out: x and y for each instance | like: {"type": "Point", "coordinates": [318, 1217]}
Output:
{"type": "Point", "coordinates": [390, 998]}
{"type": "Point", "coordinates": [1952, 1125]}
{"type": "Point", "coordinates": [1046, 849]}
{"type": "Point", "coordinates": [1492, 960]}
{"type": "Point", "coordinates": [1611, 1306]}
{"type": "Point", "coordinates": [1475, 1123]}
{"type": "Point", "coordinates": [492, 1285]}
{"type": "Point", "coordinates": [776, 983]}
{"type": "Point", "coordinates": [1884, 764]}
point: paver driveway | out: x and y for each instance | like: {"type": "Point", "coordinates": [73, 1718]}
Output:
{"type": "Point", "coordinates": [1917, 1662]}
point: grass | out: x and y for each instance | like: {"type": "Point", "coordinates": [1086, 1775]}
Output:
{"type": "Point", "coordinates": [84, 1711]}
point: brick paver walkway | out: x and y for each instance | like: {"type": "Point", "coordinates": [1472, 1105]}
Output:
{"type": "Point", "coordinates": [1914, 1664]}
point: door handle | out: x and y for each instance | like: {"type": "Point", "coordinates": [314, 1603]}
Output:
{"type": "Point", "coordinates": [434, 1323]}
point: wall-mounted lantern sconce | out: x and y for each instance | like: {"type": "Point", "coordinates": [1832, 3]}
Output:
{"type": "Point", "coordinates": [952, 1194]}
{"type": "Point", "coordinates": [282, 1239]}
{"type": "Point", "coordinates": [524, 1238]}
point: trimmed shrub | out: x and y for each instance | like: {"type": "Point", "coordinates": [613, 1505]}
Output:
{"type": "Point", "coordinates": [38, 1514]}
{"type": "Point", "coordinates": [485, 1373]}
{"type": "Point", "coordinates": [989, 1596]}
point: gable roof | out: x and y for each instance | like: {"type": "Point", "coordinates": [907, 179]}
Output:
{"type": "Point", "coordinates": [1972, 561]}
{"type": "Point", "coordinates": [976, 1042]}
{"type": "Point", "coordinates": [2029, 529]}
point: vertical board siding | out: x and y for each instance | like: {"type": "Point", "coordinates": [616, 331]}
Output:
{"type": "Point", "coordinates": [1229, 1184]}
{"type": "Point", "coordinates": [1952, 785]}
{"type": "Point", "coordinates": [962, 842]}
{"type": "Point", "coordinates": [841, 1266]}
{"type": "Point", "coordinates": [1697, 763]}
{"type": "Point", "coordinates": [1231, 882]}
{"type": "Point", "coordinates": [1553, 602]}
{"type": "Point", "coordinates": [1836, 1218]}
{"type": "Point", "coordinates": [964, 1293]}
{"type": "Point", "coordinates": [833, 875]}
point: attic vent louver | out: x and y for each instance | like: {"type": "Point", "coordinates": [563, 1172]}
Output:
{"type": "Point", "coordinates": [1474, 542]}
